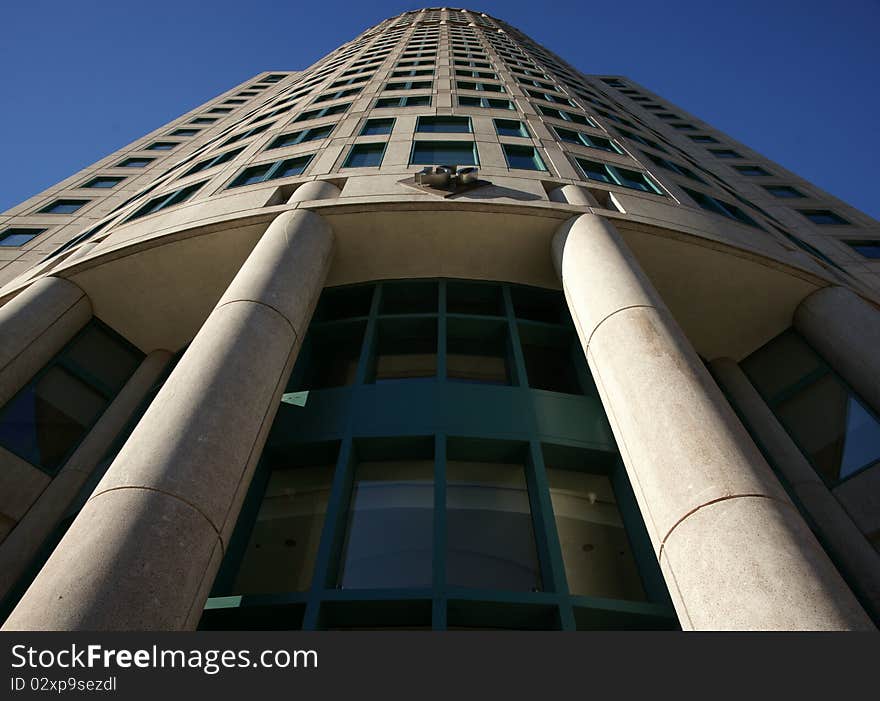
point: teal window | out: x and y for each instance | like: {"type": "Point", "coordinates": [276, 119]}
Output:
{"type": "Point", "coordinates": [104, 181]}
{"type": "Point", "coordinates": [615, 175]}
{"type": "Point", "coordinates": [377, 127]}
{"type": "Point", "coordinates": [45, 421]}
{"type": "Point", "coordinates": [409, 85]}
{"type": "Point", "coordinates": [823, 217]}
{"type": "Point", "coordinates": [370, 508]}
{"type": "Point", "coordinates": [724, 153]}
{"type": "Point", "coordinates": [325, 112]}
{"type": "Point", "coordinates": [485, 102]}
{"type": "Point", "coordinates": [471, 64]}
{"type": "Point", "coordinates": [338, 95]}
{"type": "Point", "coordinates": [596, 551]}
{"type": "Point", "coordinates": [415, 72]}
{"type": "Point", "coordinates": [298, 137]}
{"type": "Point", "coordinates": [783, 191]}
{"type": "Point", "coordinates": [523, 157]}
{"type": "Point", "coordinates": [547, 97]}
{"type": "Point", "coordinates": [135, 162]}
{"type": "Point", "coordinates": [830, 423]}
{"type": "Point", "coordinates": [272, 171]}
{"type": "Point", "coordinates": [638, 138]}
{"type": "Point", "coordinates": [184, 132]}
{"type": "Point", "coordinates": [241, 136]}
{"type": "Point", "coordinates": [365, 155]}
{"type": "Point", "coordinates": [411, 101]}
{"type": "Point", "coordinates": [212, 162]}
{"type": "Point", "coordinates": [63, 207]}
{"type": "Point", "coordinates": [460, 153]}
{"type": "Point", "coordinates": [389, 536]}
{"type": "Point", "coordinates": [511, 127]}
{"type": "Point", "coordinates": [476, 74]}
{"type": "Point", "coordinates": [566, 116]}
{"type": "Point", "coordinates": [725, 209]}
{"type": "Point", "coordinates": [201, 120]}
{"type": "Point", "coordinates": [754, 171]}
{"type": "Point", "coordinates": [169, 199]}
{"type": "Point", "coordinates": [666, 164]}
{"type": "Point", "coordinates": [869, 249]}
{"type": "Point", "coordinates": [220, 110]}
{"type": "Point", "coordinates": [482, 87]}
{"type": "Point", "coordinates": [446, 124]}
{"type": "Point", "coordinates": [589, 140]}
{"type": "Point", "coordinates": [162, 145]}
{"type": "Point", "coordinates": [18, 236]}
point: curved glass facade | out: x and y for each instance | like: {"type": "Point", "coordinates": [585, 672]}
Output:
{"type": "Point", "coordinates": [440, 460]}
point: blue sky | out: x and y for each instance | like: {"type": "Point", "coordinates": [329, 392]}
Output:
{"type": "Point", "coordinates": [795, 80]}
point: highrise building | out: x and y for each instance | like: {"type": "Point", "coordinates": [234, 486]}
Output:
{"type": "Point", "coordinates": [439, 332]}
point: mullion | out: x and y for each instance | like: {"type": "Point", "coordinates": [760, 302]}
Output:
{"type": "Point", "coordinates": [546, 536]}
{"type": "Point", "coordinates": [332, 534]}
{"type": "Point", "coordinates": [439, 599]}
{"type": "Point", "coordinates": [369, 342]}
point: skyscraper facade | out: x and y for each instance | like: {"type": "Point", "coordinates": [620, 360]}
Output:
{"type": "Point", "coordinates": [441, 333]}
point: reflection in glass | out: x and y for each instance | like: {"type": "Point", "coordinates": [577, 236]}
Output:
{"type": "Point", "coordinates": [280, 556]}
{"type": "Point", "coordinates": [477, 352]}
{"type": "Point", "coordinates": [104, 358]}
{"type": "Point", "coordinates": [490, 541]}
{"type": "Point", "coordinates": [780, 363]}
{"type": "Point", "coordinates": [832, 427]}
{"type": "Point", "coordinates": [46, 419]}
{"type": "Point", "coordinates": [389, 538]}
{"type": "Point", "coordinates": [595, 549]}
{"type": "Point", "coordinates": [406, 350]}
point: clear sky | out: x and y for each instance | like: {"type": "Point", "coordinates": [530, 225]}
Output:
{"type": "Point", "coordinates": [794, 79]}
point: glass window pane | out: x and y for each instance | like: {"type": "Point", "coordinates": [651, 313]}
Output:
{"type": "Point", "coordinates": [490, 540]}
{"type": "Point", "coordinates": [406, 351]}
{"type": "Point", "coordinates": [595, 548]}
{"type": "Point", "coordinates": [390, 527]}
{"type": "Point", "coordinates": [365, 156]}
{"type": "Point", "coordinates": [102, 357]}
{"type": "Point", "coordinates": [281, 552]}
{"type": "Point", "coordinates": [49, 417]}
{"type": "Point", "coordinates": [780, 364]}
{"type": "Point", "coordinates": [474, 298]}
{"type": "Point", "coordinates": [832, 427]}
{"type": "Point", "coordinates": [477, 351]}
{"type": "Point", "coordinates": [444, 124]}
{"type": "Point", "coordinates": [331, 356]}
{"type": "Point", "coordinates": [444, 153]}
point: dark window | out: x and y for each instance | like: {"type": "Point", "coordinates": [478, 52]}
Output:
{"type": "Point", "coordinates": [365, 156]}
{"type": "Point", "coordinates": [63, 207]}
{"type": "Point", "coordinates": [18, 236]}
{"type": "Point", "coordinates": [104, 181]}
{"type": "Point", "coordinates": [783, 191]}
{"type": "Point", "coordinates": [523, 157]}
{"type": "Point", "coordinates": [444, 124]}
{"type": "Point", "coordinates": [869, 249]}
{"type": "Point", "coordinates": [162, 145]}
{"type": "Point", "coordinates": [444, 153]}
{"type": "Point", "coordinates": [823, 217]}
{"type": "Point", "coordinates": [511, 127]}
{"type": "Point", "coordinates": [376, 127]}
{"type": "Point", "coordinates": [48, 418]}
{"type": "Point", "coordinates": [135, 162]}
{"type": "Point", "coordinates": [833, 427]}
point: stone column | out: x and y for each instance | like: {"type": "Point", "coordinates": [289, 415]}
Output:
{"type": "Point", "coordinates": [20, 547]}
{"type": "Point", "coordinates": [34, 326]}
{"type": "Point", "coordinates": [144, 550]}
{"type": "Point", "coordinates": [848, 543]}
{"type": "Point", "coordinates": [733, 549]}
{"type": "Point", "coordinates": [845, 330]}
